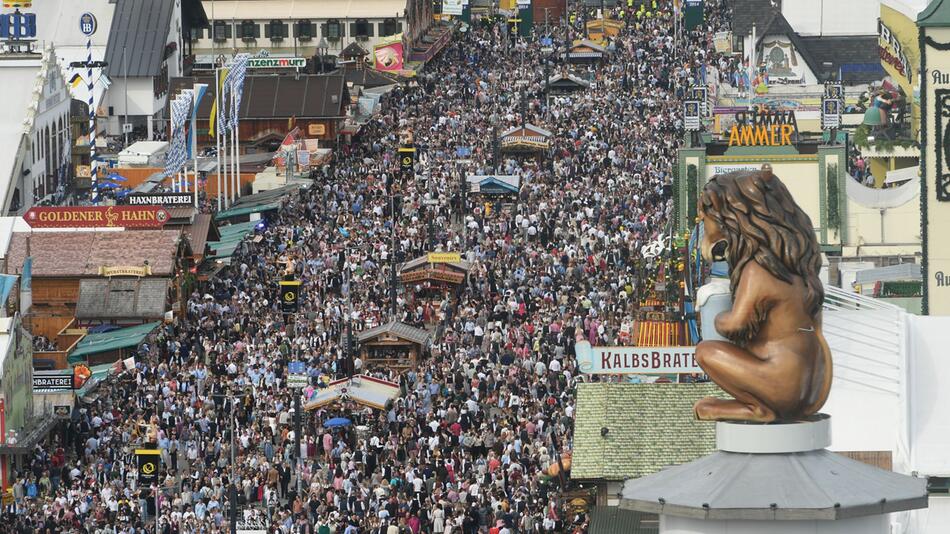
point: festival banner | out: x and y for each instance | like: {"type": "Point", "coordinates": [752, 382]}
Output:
{"type": "Point", "coordinates": [97, 217]}
{"type": "Point", "coordinates": [289, 295]}
{"type": "Point", "coordinates": [635, 360]}
{"type": "Point", "coordinates": [389, 57]}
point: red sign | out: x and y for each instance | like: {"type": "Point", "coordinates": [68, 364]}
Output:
{"type": "Point", "coordinates": [97, 217]}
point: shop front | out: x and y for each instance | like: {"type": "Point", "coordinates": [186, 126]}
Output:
{"type": "Point", "coordinates": [393, 345]}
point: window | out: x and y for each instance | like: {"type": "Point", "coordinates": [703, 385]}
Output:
{"type": "Point", "coordinates": [305, 30]}
{"type": "Point", "coordinates": [938, 485]}
{"type": "Point", "coordinates": [276, 30]}
{"type": "Point", "coordinates": [388, 27]}
{"type": "Point", "coordinates": [362, 28]}
{"type": "Point", "coordinates": [334, 30]}
{"type": "Point", "coordinates": [222, 30]}
{"type": "Point", "coordinates": [195, 33]}
{"type": "Point", "coordinates": [249, 30]}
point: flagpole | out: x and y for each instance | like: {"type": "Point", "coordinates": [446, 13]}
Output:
{"type": "Point", "coordinates": [234, 176]}
{"type": "Point", "coordinates": [217, 132]}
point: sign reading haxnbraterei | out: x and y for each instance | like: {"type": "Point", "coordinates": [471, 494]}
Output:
{"type": "Point", "coordinates": [277, 62]}
{"type": "Point", "coordinates": [160, 199]}
{"type": "Point", "coordinates": [52, 380]}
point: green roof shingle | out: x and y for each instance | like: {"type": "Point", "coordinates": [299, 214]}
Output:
{"type": "Point", "coordinates": [650, 427]}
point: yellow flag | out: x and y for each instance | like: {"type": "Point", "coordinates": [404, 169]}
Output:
{"type": "Point", "coordinates": [212, 119]}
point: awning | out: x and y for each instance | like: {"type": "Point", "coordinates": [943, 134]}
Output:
{"type": "Point", "coordinates": [246, 210]}
{"type": "Point", "coordinates": [231, 238]}
{"type": "Point", "coordinates": [492, 185]}
{"type": "Point", "coordinates": [123, 338]}
{"type": "Point", "coordinates": [902, 175]}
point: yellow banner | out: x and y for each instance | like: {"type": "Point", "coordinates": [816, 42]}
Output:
{"type": "Point", "coordinates": [147, 452]}
{"type": "Point", "coordinates": [445, 257]}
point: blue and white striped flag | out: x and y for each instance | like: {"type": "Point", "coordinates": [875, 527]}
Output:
{"type": "Point", "coordinates": [223, 107]}
{"type": "Point", "coordinates": [175, 158]}
{"type": "Point", "coordinates": [239, 72]}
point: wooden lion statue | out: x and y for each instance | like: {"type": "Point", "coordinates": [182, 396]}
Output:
{"type": "Point", "coordinates": [777, 365]}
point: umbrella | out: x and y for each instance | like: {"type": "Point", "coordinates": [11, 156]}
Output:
{"type": "Point", "coordinates": [116, 177]}
{"type": "Point", "coordinates": [336, 421]}
{"type": "Point", "coordinates": [106, 185]}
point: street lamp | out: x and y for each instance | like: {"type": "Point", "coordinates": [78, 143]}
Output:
{"type": "Point", "coordinates": [322, 48]}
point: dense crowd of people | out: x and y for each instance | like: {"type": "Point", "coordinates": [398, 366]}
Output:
{"type": "Point", "coordinates": [466, 448]}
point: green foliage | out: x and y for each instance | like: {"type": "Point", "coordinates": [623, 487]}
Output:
{"type": "Point", "coordinates": [881, 144]}
{"type": "Point", "coordinates": [902, 288]}
{"type": "Point", "coordinates": [691, 194]}
{"type": "Point", "coordinates": [831, 179]}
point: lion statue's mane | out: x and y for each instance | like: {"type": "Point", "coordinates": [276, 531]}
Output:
{"type": "Point", "coordinates": [772, 230]}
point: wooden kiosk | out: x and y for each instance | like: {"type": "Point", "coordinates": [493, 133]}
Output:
{"type": "Point", "coordinates": [393, 345]}
{"type": "Point", "coordinates": [434, 277]}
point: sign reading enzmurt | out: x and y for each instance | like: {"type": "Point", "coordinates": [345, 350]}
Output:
{"type": "Point", "coordinates": [97, 217]}
{"type": "Point", "coordinates": [635, 360]}
{"type": "Point", "coordinates": [763, 128]}
{"type": "Point", "coordinates": [277, 62]}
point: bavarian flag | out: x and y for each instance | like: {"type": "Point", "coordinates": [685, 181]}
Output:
{"type": "Point", "coordinates": [75, 81]}
{"type": "Point", "coordinates": [218, 86]}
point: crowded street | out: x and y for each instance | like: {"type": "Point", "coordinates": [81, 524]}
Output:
{"type": "Point", "coordinates": [467, 446]}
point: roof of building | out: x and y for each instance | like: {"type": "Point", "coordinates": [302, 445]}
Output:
{"type": "Point", "coordinates": [200, 232]}
{"type": "Point", "coordinates": [936, 14]}
{"type": "Point", "coordinates": [122, 338]}
{"type": "Point", "coordinates": [281, 96]}
{"type": "Point", "coordinates": [775, 23]}
{"type": "Point", "coordinates": [366, 77]}
{"type": "Point", "coordinates": [745, 13]}
{"type": "Point", "coordinates": [649, 427]}
{"type": "Point", "coordinates": [856, 56]}
{"type": "Point", "coordinates": [568, 80]}
{"type": "Point", "coordinates": [424, 260]}
{"type": "Point", "coordinates": [529, 130]}
{"type": "Point", "coordinates": [816, 485]}
{"type": "Point", "coordinates": [903, 271]}
{"type": "Point", "coordinates": [401, 330]}
{"type": "Point", "coordinates": [138, 37]}
{"type": "Point", "coordinates": [615, 520]}
{"type": "Point", "coordinates": [77, 254]}
{"type": "Point", "coordinates": [122, 298]}
{"type": "Point", "coordinates": [353, 50]}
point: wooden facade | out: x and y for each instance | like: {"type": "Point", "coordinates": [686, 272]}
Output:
{"type": "Point", "coordinates": [393, 345]}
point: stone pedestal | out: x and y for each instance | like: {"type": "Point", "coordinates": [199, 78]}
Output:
{"type": "Point", "coordinates": [775, 478]}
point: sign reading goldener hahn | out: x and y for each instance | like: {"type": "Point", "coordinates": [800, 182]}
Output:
{"type": "Point", "coordinates": [635, 360]}
{"type": "Point", "coordinates": [97, 217]}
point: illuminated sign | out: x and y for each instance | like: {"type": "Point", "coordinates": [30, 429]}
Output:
{"type": "Point", "coordinates": [898, 59]}
{"type": "Point", "coordinates": [316, 129]}
{"type": "Point", "coordinates": [768, 128]}
{"type": "Point", "coordinates": [18, 25]}
{"type": "Point", "coordinates": [160, 199]}
{"type": "Point", "coordinates": [277, 62]}
{"type": "Point", "coordinates": [97, 217]}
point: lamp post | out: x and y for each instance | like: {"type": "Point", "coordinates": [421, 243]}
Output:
{"type": "Point", "coordinates": [322, 48]}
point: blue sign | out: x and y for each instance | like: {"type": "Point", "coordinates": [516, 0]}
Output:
{"type": "Point", "coordinates": [463, 151]}
{"type": "Point", "coordinates": [18, 25]}
{"type": "Point", "coordinates": [296, 368]}
{"type": "Point", "coordinates": [88, 24]}
{"type": "Point", "coordinates": [546, 41]}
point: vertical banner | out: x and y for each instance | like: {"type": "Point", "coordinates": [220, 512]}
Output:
{"type": "Point", "coordinates": [149, 461]}
{"type": "Point", "coordinates": [406, 159]}
{"type": "Point", "coordinates": [389, 57]}
{"type": "Point", "coordinates": [289, 296]}
{"type": "Point", "coordinates": [693, 14]}
{"type": "Point", "coordinates": [691, 115]}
